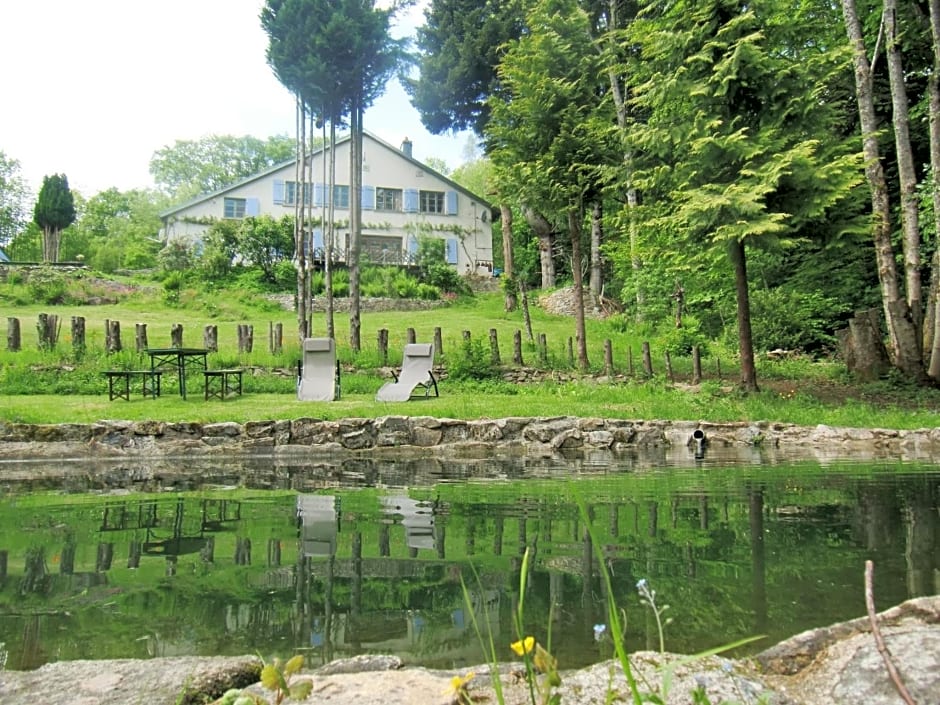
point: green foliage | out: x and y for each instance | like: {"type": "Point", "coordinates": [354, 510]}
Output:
{"type": "Point", "coordinates": [14, 195]}
{"type": "Point", "coordinates": [47, 286]}
{"type": "Point", "coordinates": [53, 212]}
{"type": "Point", "coordinates": [793, 320]}
{"type": "Point", "coordinates": [177, 256]}
{"type": "Point", "coordinates": [265, 242]}
{"type": "Point", "coordinates": [680, 341]}
{"type": "Point", "coordinates": [471, 361]}
{"type": "Point", "coordinates": [173, 284]}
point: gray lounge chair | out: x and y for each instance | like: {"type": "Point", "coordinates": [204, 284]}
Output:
{"type": "Point", "coordinates": [415, 374]}
{"type": "Point", "coordinates": [318, 376]}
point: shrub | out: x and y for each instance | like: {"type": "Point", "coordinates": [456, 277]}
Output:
{"type": "Point", "coordinates": [793, 320]}
{"type": "Point", "coordinates": [47, 286]}
{"type": "Point", "coordinates": [471, 361]}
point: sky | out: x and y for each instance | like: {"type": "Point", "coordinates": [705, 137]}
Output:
{"type": "Point", "coordinates": [92, 88]}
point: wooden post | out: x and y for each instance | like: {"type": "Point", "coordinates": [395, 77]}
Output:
{"type": "Point", "coordinates": [210, 338]}
{"type": "Point", "coordinates": [78, 334]}
{"type": "Point", "coordinates": [438, 341]}
{"type": "Point", "coordinates": [410, 336]}
{"type": "Point", "coordinates": [630, 370]}
{"type": "Point", "coordinates": [718, 366]}
{"type": "Point", "coordinates": [140, 336]}
{"type": "Point", "coordinates": [113, 337]}
{"type": "Point", "coordinates": [278, 344]}
{"type": "Point", "coordinates": [570, 351]}
{"type": "Point", "coordinates": [466, 337]}
{"type": "Point", "coordinates": [249, 337]}
{"type": "Point", "coordinates": [647, 360]}
{"type": "Point", "coordinates": [608, 358]}
{"type": "Point", "coordinates": [14, 341]}
{"type": "Point", "coordinates": [383, 346]}
{"type": "Point", "coordinates": [696, 365]}
{"type": "Point", "coordinates": [494, 347]}
{"type": "Point", "coordinates": [176, 335]}
{"type": "Point", "coordinates": [517, 347]}
{"type": "Point", "coordinates": [48, 328]}
{"type": "Point", "coordinates": [669, 366]}
{"type": "Point", "coordinates": [543, 348]}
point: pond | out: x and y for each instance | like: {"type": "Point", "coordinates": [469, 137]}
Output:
{"type": "Point", "coordinates": [418, 557]}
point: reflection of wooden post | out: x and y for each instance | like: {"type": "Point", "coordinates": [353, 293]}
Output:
{"type": "Point", "coordinates": [696, 365]}
{"type": "Point", "coordinates": [13, 334]}
{"type": "Point", "coordinates": [274, 552]}
{"type": "Point", "coordinates": [517, 347]}
{"type": "Point", "coordinates": [210, 338]}
{"type": "Point", "coordinates": [133, 554]}
{"type": "Point", "coordinates": [4, 557]}
{"type": "Point", "coordinates": [410, 336]}
{"type": "Point", "coordinates": [438, 341]}
{"type": "Point", "coordinates": [207, 552]}
{"type": "Point", "coordinates": [384, 543]}
{"type": "Point", "coordinates": [494, 347]}
{"type": "Point", "coordinates": [140, 336]}
{"type": "Point", "coordinates": [176, 335]}
{"type": "Point", "coordinates": [105, 556]}
{"type": "Point", "coordinates": [78, 334]}
{"type": "Point", "coordinates": [647, 360]}
{"type": "Point", "coordinates": [608, 358]}
{"type": "Point", "coordinates": [171, 565]}
{"type": "Point", "coordinates": [67, 559]}
{"type": "Point", "coordinates": [755, 516]}
{"type": "Point", "coordinates": [242, 551]}
{"type": "Point", "coordinates": [355, 603]}
{"type": "Point", "coordinates": [440, 534]}
{"type": "Point", "coordinates": [498, 536]}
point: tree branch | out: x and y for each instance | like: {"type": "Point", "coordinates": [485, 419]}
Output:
{"type": "Point", "coordinates": [879, 641]}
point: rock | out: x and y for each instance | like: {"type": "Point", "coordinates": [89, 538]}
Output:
{"type": "Point", "coordinates": [830, 666]}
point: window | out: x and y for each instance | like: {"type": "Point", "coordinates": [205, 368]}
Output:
{"type": "Point", "coordinates": [290, 193]}
{"type": "Point", "coordinates": [234, 208]}
{"type": "Point", "coordinates": [388, 199]}
{"type": "Point", "coordinates": [341, 196]}
{"type": "Point", "coordinates": [431, 201]}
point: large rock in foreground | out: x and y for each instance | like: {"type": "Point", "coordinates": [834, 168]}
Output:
{"type": "Point", "coordinates": [832, 666]}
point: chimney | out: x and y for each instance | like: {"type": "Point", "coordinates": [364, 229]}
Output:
{"type": "Point", "coordinates": [406, 148]}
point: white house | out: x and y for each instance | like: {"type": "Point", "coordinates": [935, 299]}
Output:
{"type": "Point", "coordinates": [402, 199]}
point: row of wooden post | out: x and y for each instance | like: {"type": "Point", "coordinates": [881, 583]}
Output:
{"type": "Point", "coordinates": [48, 328]}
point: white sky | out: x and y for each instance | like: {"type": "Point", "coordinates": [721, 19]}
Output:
{"type": "Point", "coordinates": [92, 88]}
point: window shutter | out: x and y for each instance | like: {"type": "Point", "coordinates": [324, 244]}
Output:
{"type": "Point", "coordinates": [319, 194]}
{"type": "Point", "coordinates": [451, 250]}
{"type": "Point", "coordinates": [410, 204]}
{"type": "Point", "coordinates": [252, 207]}
{"type": "Point", "coordinates": [278, 192]}
{"type": "Point", "coordinates": [317, 239]}
{"type": "Point", "coordinates": [450, 203]}
{"type": "Point", "coordinates": [368, 197]}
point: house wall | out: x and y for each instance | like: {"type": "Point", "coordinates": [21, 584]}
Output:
{"type": "Point", "coordinates": [464, 225]}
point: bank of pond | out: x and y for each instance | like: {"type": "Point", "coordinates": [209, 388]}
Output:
{"type": "Point", "coordinates": [415, 557]}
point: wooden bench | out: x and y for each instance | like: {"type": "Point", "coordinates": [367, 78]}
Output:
{"type": "Point", "coordinates": [119, 383]}
{"type": "Point", "coordinates": [220, 384]}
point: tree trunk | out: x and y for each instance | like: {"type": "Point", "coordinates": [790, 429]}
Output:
{"type": "Point", "coordinates": [907, 361]}
{"type": "Point", "coordinates": [933, 87]}
{"type": "Point", "coordinates": [299, 243]}
{"type": "Point", "coordinates": [543, 231]}
{"type": "Point", "coordinates": [597, 231]}
{"type": "Point", "coordinates": [355, 225]}
{"type": "Point", "coordinates": [745, 339]}
{"type": "Point", "coordinates": [328, 233]}
{"type": "Point", "coordinates": [574, 228]}
{"type": "Point", "coordinates": [906, 174]}
{"type": "Point", "coordinates": [509, 290]}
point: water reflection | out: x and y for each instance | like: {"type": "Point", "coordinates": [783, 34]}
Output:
{"type": "Point", "coordinates": [413, 557]}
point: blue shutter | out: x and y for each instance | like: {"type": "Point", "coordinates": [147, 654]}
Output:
{"type": "Point", "coordinates": [368, 197]}
{"type": "Point", "coordinates": [451, 247]}
{"type": "Point", "coordinates": [317, 239]}
{"type": "Point", "coordinates": [319, 194]}
{"type": "Point", "coordinates": [252, 207]}
{"type": "Point", "coordinates": [278, 191]}
{"type": "Point", "coordinates": [450, 203]}
{"type": "Point", "coordinates": [410, 204]}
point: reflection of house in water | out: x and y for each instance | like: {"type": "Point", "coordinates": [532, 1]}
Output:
{"type": "Point", "coordinates": [417, 518]}
{"type": "Point", "coordinates": [319, 523]}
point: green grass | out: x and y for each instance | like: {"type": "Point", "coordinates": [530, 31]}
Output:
{"type": "Point", "coordinates": [59, 386]}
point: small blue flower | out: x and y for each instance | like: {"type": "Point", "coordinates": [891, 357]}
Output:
{"type": "Point", "coordinates": [599, 630]}
{"type": "Point", "coordinates": [641, 585]}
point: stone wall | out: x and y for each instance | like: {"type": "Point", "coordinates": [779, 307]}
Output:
{"type": "Point", "coordinates": [409, 436]}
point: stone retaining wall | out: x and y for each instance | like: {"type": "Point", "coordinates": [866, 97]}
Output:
{"type": "Point", "coordinates": [391, 436]}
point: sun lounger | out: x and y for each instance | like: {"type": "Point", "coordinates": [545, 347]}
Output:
{"type": "Point", "coordinates": [415, 374]}
{"type": "Point", "coordinates": [318, 377]}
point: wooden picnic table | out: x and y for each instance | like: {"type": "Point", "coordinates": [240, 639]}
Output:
{"type": "Point", "coordinates": [180, 359]}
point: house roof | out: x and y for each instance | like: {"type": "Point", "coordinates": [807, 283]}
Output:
{"type": "Point", "coordinates": [277, 167]}
{"type": "Point", "coordinates": [3, 256]}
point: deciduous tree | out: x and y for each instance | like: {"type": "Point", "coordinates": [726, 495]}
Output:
{"type": "Point", "coordinates": [13, 196]}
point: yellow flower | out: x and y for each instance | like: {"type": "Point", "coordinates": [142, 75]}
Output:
{"type": "Point", "coordinates": [524, 646]}
{"type": "Point", "coordinates": [458, 687]}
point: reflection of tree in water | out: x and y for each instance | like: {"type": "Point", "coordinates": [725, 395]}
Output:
{"type": "Point", "coordinates": [922, 538]}
{"type": "Point", "coordinates": [35, 573]}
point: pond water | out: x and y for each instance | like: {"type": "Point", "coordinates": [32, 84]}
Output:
{"type": "Point", "coordinates": [415, 557]}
